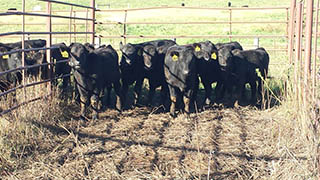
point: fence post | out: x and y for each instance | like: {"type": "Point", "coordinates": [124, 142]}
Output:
{"type": "Point", "coordinates": [256, 42]}
{"type": "Point", "coordinates": [230, 24]}
{"type": "Point", "coordinates": [74, 27]}
{"type": "Point", "coordinates": [314, 81]}
{"type": "Point", "coordinates": [93, 16]}
{"type": "Point", "coordinates": [291, 29]}
{"type": "Point", "coordinates": [86, 26]}
{"type": "Point", "coordinates": [297, 70]}
{"type": "Point", "coordinates": [70, 24]}
{"type": "Point", "coordinates": [23, 53]}
{"type": "Point", "coordinates": [308, 48]}
{"type": "Point", "coordinates": [48, 44]}
{"type": "Point", "coordinates": [125, 27]}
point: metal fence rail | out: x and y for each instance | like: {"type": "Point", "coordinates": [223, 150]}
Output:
{"type": "Point", "coordinates": [48, 47]}
{"type": "Point", "coordinates": [124, 35]}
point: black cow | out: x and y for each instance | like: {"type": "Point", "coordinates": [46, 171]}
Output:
{"type": "Point", "coordinates": [225, 57]}
{"type": "Point", "coordinates": [208, 69]}
{"type": "Point", "coordinates": [38, 43]}
{"type": "Point", "coordinates": [93, 72]}
{"type": "Point", "coordinates": [232, 45]}
{"type": "Point", "coordinates": [181, 70]}
{"type": "Point", "coordinates": [259, 59]}
{"type": "Point", "coordinates": [8, 79]}
{"type": "Point", "coordinates": [13, 61]}
{"type": "Point", "coordinates": [243, 67]}
{"type": "Point", "coordinates": [144, 60]}
{"type": "Point", "coordinates": [60, 52]}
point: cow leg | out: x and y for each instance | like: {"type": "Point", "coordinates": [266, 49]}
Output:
{"type": "Point", "coordinates": [65, 84]}
{"type": "Point", "coordinates": [83, 104]}
{"type": "Point", "coordinates": [253, 87]}
{"type": "Point", "coordinates": [119, 96]}
{"type": "Point", "coordinates": [137, 91]}
{"type": "Point", "coordinates": [193, 94]}
{"type": "Point", "coordinates": [260, 84]}
{"type": "Point", "coordinates": [208, 90]}
{"type": "Point", "coordinates": [109, 87]}
{"type": "Point", "coordinates": [94, 104]}
{"type": "Point", "coordinates": [187, 102]}
{"type": "Point", "coordinates": [152, 88]}
{"type": "Point", "coordinates": [173, 98]}
{"type": "Point", "coordinates": [239, 91]}
{"type": "Point", "coordinates": [125, 87]}
{"type": "Point", "coordinates": [164, 93]}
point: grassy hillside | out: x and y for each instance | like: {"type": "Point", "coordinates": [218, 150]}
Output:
{"type": "Point", "coordinates": [5, 4]}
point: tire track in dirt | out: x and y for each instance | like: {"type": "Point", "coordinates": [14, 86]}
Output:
{"type": "Point", "coordinates": [139, 115]}
{"type": "Point", "coordinates": [216, 136]}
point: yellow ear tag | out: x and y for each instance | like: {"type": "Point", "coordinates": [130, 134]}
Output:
{"type": "Point", "coordinates": [214, 56]}
{"type": "Point", "coordinates": [175, 58]}
{"type": "Point", "coordinates": [197, 49]}
{"type": "Point", "coordinates": [5, 56]}
{"type": "Point", "coordinates": [65, 54]}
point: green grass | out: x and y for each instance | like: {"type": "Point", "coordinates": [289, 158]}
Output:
{"type": "Point", "coordinates": [5, 4]}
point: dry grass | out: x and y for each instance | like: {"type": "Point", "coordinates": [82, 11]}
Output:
{"type": "Point", "coordinates": [46, 140]}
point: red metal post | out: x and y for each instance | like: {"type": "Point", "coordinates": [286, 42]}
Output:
{"type": "Point", "coordinates": [291, 29]}
{"type": "Point", "coordinates": [23, 47]}
{"type": "Point", "coordinates": [314, 81]}
{"type": "Point", "coordinates": [298, 50]}
{"type": "Point", "coordinates": [93, 16]}
{"type": "Point", "coordinates": [308, 49]}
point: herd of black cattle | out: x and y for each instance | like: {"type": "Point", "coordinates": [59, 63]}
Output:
{"type": "Point", "coordinates": [176, 68]}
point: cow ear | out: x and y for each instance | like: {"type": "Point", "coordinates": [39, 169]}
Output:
{"type": "Point", "coordinates": [197, 47]}
{"type": "Point", "coordinates": [174, 56]}
{"type": "Point", "coordinates": [71, 44]}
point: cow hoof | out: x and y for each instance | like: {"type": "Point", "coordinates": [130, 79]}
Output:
{"type": "Point", "coordinates": [207, 102]}
{"type": "Point", "coordinates": [173, 115]}
{"type": "Point", "coordinates": [94, 117]}
{"type": "Point", "coordinates": [82, 118]}
{"type": "Point", "coordinates": [236, 104]}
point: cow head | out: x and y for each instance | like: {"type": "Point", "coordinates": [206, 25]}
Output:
{"type": "Point", "coordinates": [37, 58]}
{"type": "Point", "coordinates": [78, 55]}
{"type": "Point", "coordinates": [149, 54]}
{"type": "Point", "coordinates": [89, 47]}
{"type": "Point", "coordinates": [225, 58]}
{"type": "Point", "coordinates": [130, 54]}
{"type": "Point", "coordinates": [205, 50]}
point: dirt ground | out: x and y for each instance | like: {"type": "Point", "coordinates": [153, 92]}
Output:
{"type": "Point", "coordinates": [139, 143]}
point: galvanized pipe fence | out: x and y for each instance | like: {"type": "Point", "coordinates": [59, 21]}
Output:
{"type": "Point", "coordinates": [230, 22]}
{"type": "Point", "coordinates": [48, 47]}
{"type": "Point", "coordinates": [303, 56]}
